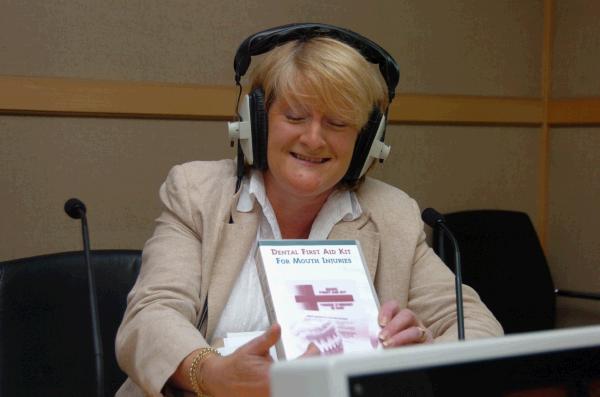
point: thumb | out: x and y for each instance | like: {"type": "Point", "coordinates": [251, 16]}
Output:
{"type": "Point", "coordinates": [311, 351]}
{"type": "Point", "coordinates": [261, 344]}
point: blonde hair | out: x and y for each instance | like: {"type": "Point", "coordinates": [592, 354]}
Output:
{"type": "Point", "coordinates": [325, 73]}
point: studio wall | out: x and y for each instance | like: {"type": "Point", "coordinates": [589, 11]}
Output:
{"type": "Point", "coordinates": [458, 48]}
{"type": "Point", "coordinates": [463, 47]}
{"type": "Point", "coordinates": [574, 184]}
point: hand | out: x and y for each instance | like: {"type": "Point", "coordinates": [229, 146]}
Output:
{"type": "Point", "coordinates": [401, 326]}
{"type": "Point", "coordinates": [246, 371]}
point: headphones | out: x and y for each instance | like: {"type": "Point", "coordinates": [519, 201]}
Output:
{"type": "Point", "coordinates": [251, 131]}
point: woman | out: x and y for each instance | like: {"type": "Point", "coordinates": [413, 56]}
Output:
{"type": "Point", "coordinates": [318, 93]}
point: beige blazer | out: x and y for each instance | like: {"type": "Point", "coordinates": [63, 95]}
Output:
{"type": "Point", "coordinates": [196, 253]}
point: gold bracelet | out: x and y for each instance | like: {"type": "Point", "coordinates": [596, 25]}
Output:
{"type": "Point", "coordinates": [198, 359]}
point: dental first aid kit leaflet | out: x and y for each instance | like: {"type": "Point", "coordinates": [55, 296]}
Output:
{"type": "Point", "coordinates": [320, 292]}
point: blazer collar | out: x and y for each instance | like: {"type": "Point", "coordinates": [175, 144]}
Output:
{"type": "Point", "coordinates": [358, 230]}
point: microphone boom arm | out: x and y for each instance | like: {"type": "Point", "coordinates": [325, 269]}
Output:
{"type": "Point", "coordinates": [460, 317]}
{"type": "Point", "coordinates": [76, 210]}
{"type": "Point", "coordinates": [99, 355]}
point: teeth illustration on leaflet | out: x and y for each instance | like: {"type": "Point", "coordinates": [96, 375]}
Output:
{"type": "Point", "coordinates": [323, 333]}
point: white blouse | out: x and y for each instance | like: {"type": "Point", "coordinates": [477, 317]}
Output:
{"type": "Point", "coordinates": [245, 310]}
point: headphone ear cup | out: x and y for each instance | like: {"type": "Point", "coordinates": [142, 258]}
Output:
{"type": "Point", "coordinates": [363, 146]}
{"type": "Point", "coordinates": [260, 126]}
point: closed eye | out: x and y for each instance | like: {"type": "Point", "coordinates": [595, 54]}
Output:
{"type": "Point", "coordinates": [294, 118]}
{"type": "Point", "coordinates": [337, 123]}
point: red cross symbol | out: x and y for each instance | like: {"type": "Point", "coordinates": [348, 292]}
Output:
{"type": "Point", "coordinates": [309, 301]}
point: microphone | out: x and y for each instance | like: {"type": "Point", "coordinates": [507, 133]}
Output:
{"type": "Point", "coordinates": [76, 210]}
{"type": "Point", "coordinates": [436, 220]}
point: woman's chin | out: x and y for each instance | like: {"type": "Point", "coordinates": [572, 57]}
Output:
{"type": "Point", "coordinates": [309, 189]}
{"type": "Point", "coordinates": [301, 185]}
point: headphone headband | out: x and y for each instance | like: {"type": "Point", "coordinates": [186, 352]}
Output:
{"type": "Point", "coordinates": [251, 129]}
{"type": "Point", "coordinates": [266, 40]}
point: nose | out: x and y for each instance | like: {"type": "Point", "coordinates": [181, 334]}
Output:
{"type": "Point", "coordinates": [313, 137]}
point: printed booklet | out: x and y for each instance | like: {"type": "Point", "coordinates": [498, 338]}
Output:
{"type": "Point", "coordinates": [319, 291]}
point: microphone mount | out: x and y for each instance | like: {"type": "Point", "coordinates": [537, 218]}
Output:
{"type": "Point", "coordinates": [77, 210]}
{"type": "Point", "coordinates": [436, 220]}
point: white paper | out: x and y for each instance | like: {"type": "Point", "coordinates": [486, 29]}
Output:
{"type": "Point", "coordinates": [233, 340]}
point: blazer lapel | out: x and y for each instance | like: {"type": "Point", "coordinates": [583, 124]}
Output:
{"type": "Point", "coordinates": [369, 240]}
{"type": "Point", "coordinates": [235, 244]}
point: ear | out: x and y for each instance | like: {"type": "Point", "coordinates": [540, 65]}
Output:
{"type": "Point", "coordinates": [362, 147]}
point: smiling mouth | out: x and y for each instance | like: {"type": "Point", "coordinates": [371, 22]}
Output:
{"type": "Point", "coordinates": [315, 160]}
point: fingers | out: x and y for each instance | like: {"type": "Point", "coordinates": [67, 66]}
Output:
{"type": "Point", "coordinates": [261, 344]}
{"type": "Point", "coordinates": [409, 336]}
{"type": "Point", "coordinates": [387, 311]}
{"type": "Point", "coordinates": [402, 320]}
{"type": "Point", "coordinates": [403, 328]}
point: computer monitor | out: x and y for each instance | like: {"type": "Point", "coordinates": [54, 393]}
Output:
{"type": "Point", "coordinates": [548, 363]}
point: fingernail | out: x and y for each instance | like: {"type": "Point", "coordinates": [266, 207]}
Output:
{"type": "Point", "coordinates": [383, 336]}
{"type": "Point", "coordinates": [385, 343]}
{"type": "Point", "coordinates": [383, 322]}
